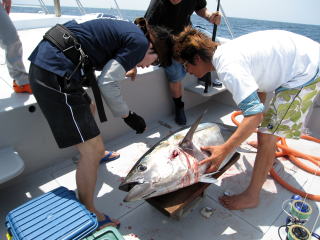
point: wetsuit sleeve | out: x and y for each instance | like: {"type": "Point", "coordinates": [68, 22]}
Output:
{"type": "Point", "coordinates": [109, 83]}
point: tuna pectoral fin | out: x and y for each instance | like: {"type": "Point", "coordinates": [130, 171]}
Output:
{"type": "Point", "coordinates": [207, 178]}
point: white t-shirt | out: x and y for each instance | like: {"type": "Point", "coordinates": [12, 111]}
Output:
{"type": "Point", "coordinates": [265, 60]}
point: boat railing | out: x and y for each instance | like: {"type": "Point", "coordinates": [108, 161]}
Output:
{"type": "Point", "coordinates": [44, 7]}
{"type": "Point", "coordinates": [80, 7]}
{"type": "Point", "coordinates": [57, 8]}
{"type": "Point", "coordinates": [118, 9]}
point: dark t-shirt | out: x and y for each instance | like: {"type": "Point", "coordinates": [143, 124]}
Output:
{"type": "Point", "coordinates": [102, 40]}
{"type": "Point", "coordinates": [174, 17]}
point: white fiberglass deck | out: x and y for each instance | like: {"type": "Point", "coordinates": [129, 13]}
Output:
{"type": "Point", "coordinates": [139, 220]}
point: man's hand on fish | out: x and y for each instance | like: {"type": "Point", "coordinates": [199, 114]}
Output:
{"type": "Point", "coordinates": [217, 155]}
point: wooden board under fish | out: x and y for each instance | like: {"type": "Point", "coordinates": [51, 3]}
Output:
{"type": "Point", "coordinates": [176, 204]}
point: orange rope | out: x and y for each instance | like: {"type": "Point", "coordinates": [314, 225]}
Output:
{"type": "Point", "coordinates": [292, 154]}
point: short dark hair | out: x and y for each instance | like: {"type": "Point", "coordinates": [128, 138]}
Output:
{"type": "Point", "coordinates": [191, 42]}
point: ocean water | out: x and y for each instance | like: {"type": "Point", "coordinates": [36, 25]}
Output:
{"type": "Point", "coordinates": [239, 26]}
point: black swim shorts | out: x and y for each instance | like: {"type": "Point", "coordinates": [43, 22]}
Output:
{"type": "Point", "coordinates": [66, 108]}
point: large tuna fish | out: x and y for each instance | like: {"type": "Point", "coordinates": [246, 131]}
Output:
{"type": "Point", "coordinates": [172, 163]}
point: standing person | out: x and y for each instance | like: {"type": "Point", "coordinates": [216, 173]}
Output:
{"type": "Point", "coordinates": [251, 66]}
{"type": "Point", "coordinates": [175, 15]}
{"type": "Point", "coordinates": [10, 42]}
{"type": "Point", "coordinates": [113, 46]}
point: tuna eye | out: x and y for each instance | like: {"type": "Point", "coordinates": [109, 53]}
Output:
{"type": "Point", "coordinates": [142, 168]}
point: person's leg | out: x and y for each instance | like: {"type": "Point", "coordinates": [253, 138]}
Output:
{"type": "Point", "coordinates": [175, 73]}
{"type": "Point", "coordinates": [175, 89]}
{"type": "Point", "coordinates": [176, 93]}
{"type": "Point", "coordinates": [263, 163]}
{"type": "Point", "coordinates": [91, 151]}
{"type": "Point", "coordinates": [66, 109]}
{"type": "Point", "coordinates": [10, 42]}
{"type": "Point", "coordinates": [280, 119]}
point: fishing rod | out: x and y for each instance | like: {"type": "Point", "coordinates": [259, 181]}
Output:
{"type": "Point", "coordinates": [207, 77]}
{"type": "Point", "coordinates": [215, 26]}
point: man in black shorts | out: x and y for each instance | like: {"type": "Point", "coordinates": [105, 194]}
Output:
{"type": "Point", "coordinates": [112, 46]}
{"type": "Point", "coordinates": [175, 15]}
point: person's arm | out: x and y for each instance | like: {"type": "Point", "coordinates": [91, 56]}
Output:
{"type": "Point", "coordinates": [262, 96]}
{"type": "Point", "coordinates": [218, 153]}
{"type": "Point", "coordinates": [252, 110]}
{"type": "Point", "coordinates": [6, 5]}
{"type": "Point", "coordinates": [109, 84]}
{"type": "Point", "coordinates": [213, 17]}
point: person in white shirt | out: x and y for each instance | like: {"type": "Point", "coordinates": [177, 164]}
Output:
{"type": "Point", "coordinates": [250, 66]}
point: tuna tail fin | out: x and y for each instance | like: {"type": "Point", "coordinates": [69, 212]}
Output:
{"type": "Point", "coordinates": [207, 178]}
{"type": "Point", "coordinates": [188, 138]}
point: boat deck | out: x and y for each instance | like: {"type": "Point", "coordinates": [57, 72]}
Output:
{"type": "Point", "coordinates": [139, 220]}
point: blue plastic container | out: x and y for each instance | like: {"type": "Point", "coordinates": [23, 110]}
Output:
{"type": "Point", "coordinates": [52, 216]}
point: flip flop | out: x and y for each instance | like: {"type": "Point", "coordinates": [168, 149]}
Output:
{"type": "Point", "coordinates": [108, 158]}
{"type": "Point", "coordinates": [107, 221]}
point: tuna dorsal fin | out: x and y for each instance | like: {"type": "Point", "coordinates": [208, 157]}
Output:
{"type": "Point", "coordinates": [188, 138]}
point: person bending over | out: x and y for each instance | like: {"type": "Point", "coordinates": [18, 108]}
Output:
{"type": "Point", "coordinates": [251, 66]}
{"type": "Point", "coordinates": [57, 77]}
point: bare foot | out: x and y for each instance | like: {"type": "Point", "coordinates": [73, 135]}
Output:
{"type": "Point", "coordinates": [253, 144]}
{"type": "Point", "coordinates": [114, 154]}
{"type": "Point", "coordinates": [240, 201]}
{"type": "Point", "coordinates": [101, 217]}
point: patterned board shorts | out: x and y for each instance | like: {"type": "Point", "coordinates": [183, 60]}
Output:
{"type": "Point", "coordinates": [288, 110]}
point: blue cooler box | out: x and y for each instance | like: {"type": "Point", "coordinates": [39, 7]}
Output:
{"type": "Point", "coordinates": [54, 215]}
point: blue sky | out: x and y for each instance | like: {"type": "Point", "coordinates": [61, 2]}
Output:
{"type": "Point", "coordinates": [296, 11]}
